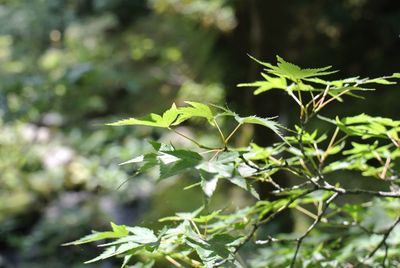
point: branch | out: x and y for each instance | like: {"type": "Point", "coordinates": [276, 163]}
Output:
{"type": "Point", "coordinates": [311, 227]}
{"type": "Point", "coordinates": [270, 217]}
{"type": "Point", "coordinates": [340, 190]}
{"type": "Point", "coordinates": [383, 242]}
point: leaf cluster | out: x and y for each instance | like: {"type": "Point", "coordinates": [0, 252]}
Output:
{"type": "Point", "coordinates": [341, 230]}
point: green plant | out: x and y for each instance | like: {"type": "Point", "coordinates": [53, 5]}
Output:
{"type": "Point", "coordinates": [353, 220]}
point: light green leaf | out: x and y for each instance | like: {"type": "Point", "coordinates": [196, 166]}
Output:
{"type": "Point", "coordinates": [367, 126]}
{"type": "Point", "coordinates": [140, 235]}
{"type": "Point", "coordinates": [119, 229]}
{"type": "Point", "coordinates": [137, 159]}
{"type": "Point", "coordinates": [381, 81]}
{"type": "Point", "coordinates": [127, 258]}
{"type": "Point", "coordinates": [196, 110]}
{"type": "Point", "coordinates": [270, 83]}
{"type": "Point", "coordinates": [152, 120]}
{"type": "Point", "coordinates": [190, 215]}
{"type": "Point", "coordinates": [266, 122]}
{"type": "Point", "coordinates": [118, 232]}
{"type": "Point", "coordinates": [294, 72]}
{"type": "Point", "coordinates": [170, 115]}
{"type": "Point", "coordinates": [115, 250]}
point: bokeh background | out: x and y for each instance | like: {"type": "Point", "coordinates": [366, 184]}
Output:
{"type": "Point", "coordinates": [67, 67]}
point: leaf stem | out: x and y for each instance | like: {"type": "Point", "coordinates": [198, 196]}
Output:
{"type": "Point", "coordinates": [220, 131]}
{"type": "Point", "coordinates": [192, 140]}
{"type": "Point", "coordinates": [232, 133]}
{"type": "Point", "coordinates": [173, 261]}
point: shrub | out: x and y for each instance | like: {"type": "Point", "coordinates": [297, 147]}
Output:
{"type": "Point", "coordinates": [353, 220]}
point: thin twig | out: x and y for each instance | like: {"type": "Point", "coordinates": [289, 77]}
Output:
{"type": "Point", "coordinates": [384, 238]}
{"type": "Point", "coordinates": [173, 261]}
{"type": "Point", "coordinates": [192, 140]}
{"type": "Point", "coordinates": [233, 132]}
{"type": "Point", "coordinates": [220, 131]}
{"type": "Point", "coordinates": [311, 227]}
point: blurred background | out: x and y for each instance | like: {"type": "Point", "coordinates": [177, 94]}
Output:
{"type": "Point", "coordinates": [67, 67]}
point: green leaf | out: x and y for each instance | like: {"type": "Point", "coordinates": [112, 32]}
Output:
{"type": "Point", "coordinates": [177, 161]}
{"type": "Point", "coordinates": [211, 252]}
{"type": "Point", "coordinates": [139, 235]}
{"type": "Point", "coordinates": [367, 126]}
{"type": "Point", "coordinates": [119, 229]}
{"type": "Point", "coordinates": [118, 232]}
{"type": "Point", "coordinates": [127, 258]}
{"type": "Point", "coordinates": [294, 72]}
{"type": "Point", "coordinates": [208, 183]}
{"type": "Point", "coordinates": [170, 161]}
{"type": "Point", "coordinates": [270, 83]}
{"type": "Point", "coordinates": [161, 146]}
{"type": "Point", "coordinates": [115, 250]}
{"type": "Point", "coordinates": [170, 115]}
{"type": "Point", "coordinates": [196, 110]}
{"type": "Point", "coordinates": [381, 81]}
{"type": "Point", "coordinates": [244, 184]}
{"type": "Point", "coordinates": [152, 120]}
{"type": "Point", "coordinates": [266, 122]}
{"type": "Point", "coordinates": [190, 215]}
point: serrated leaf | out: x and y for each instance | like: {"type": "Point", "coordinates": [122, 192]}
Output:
{"type": "Point", "coordinates": [246, 171]}
{"type": "Point", "coordinates": [118, 232]}
{"type": "Point", "coordinates": [222, 170]}
{"type": "Point", "coordinates": [131, 238]}
{"type": "Point", "coordinates": [137, 159]}
{"type": "Point", "coordinates": [127, 258]}
{"type": "Point", "coordinates": [177, 161]}
{"type": "Point", "coordinates": [93, 237]}
{"type": "Point", "coordinates": [142, 235]}
{"type": "Point", "coordinates": [161, 146]}
{"type": "Point", "coordinates": [184, 154]}
{"type": "Point", "coordinates": [266, 122]}
{"type": "Point", "coordinates": [219, 247]}
{"type": "Point", "coordinates": [266, 64]}
{"type": "Point", "coordinates": [208, 183]}
{"type": "Point", "coordinates": [244, 184]}
{"type": "Point", "coordinates": [196, 110]}
{"type": "Point", "coordinates": [186, 216]}
{"type": "Point", "coordinates": [119, 229]}
{"type": "Point", "coordinates": [381, 81]}
{"type": "Point", "coordinates": [151, 120]}
{"type": "Point", "coordinates": [115, 250]}
{"type": "Point", "coordinates": [175, 168]}
{"type": "Point", "coordinates": [170, 115]}
{"type": "Point", "coordinates": [294, 72]}
{"type": "Point", "coordinates": [270, 83]}
{"type": "Point", "coordinates": [107, 253]}
{"type": "Point", "coordinates": [367, 126]}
